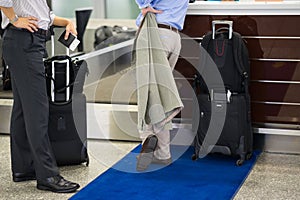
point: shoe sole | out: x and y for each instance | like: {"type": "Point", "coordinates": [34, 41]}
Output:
{"type": "Point", "coordinates": [144, 160]}
{"type": "Point", "coordinates": [23, 179]}
{"type": "Point", "coordinates": [42, 187]}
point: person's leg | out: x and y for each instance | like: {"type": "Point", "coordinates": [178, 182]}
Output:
{"type": "Point", "coordinates": [162, 150]}
{"type": "Point", "coordinates": [172, 44]}
{"type": "Point", "coordinates": [146, 133]}
{"type": "Point", "coordinates": [21, 158]}
{"type": "Point", "coordinates": [30, 84]}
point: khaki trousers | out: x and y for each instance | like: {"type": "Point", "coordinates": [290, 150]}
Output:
{"type": "Point", "coordinates": [172, 44]}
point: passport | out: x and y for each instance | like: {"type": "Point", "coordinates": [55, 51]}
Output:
{"type": "Point", "coordinates": [71, 43]}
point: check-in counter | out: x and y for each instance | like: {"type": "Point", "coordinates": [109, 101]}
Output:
{"type": "Point", "coordinates": [273, 38]}
{"type": "Point", "coordinates": [271, 32]}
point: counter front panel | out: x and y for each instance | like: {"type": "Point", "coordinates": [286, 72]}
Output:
{"type": "Point", "coordinates": [273, 42]}
{"type": "Point", "coordinates": [247, 25]}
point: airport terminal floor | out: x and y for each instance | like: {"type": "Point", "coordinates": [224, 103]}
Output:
{"type": "Point", "coordinates": [275, 176]}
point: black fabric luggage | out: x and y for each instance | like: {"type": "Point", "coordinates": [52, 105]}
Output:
{"type": "Point", "coordinates": [106, 36]}
{"type": "Point", "coordinates": [67, 131]}
{"type": "Point", "coordinates": [6, 79]}
{"type": "Point", "coordinates": [64, 76]}
{"type": "Point", "coordinates": [67, 127]}
{"type": "Point", "coordinates": [229, 54]}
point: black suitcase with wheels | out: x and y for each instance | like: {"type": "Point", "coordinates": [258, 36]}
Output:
{"type": "Point", "coordinates": [67, 126]}
{"type": "Point", "coordinates": [229, 107]}
{"type": "Point", "coordinates": [67, 109]}
{"type": "Point", "coordinates": [67, 131]}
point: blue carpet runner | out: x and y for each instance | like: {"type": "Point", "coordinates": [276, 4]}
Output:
{"type": "Point", "coordinates": [213, 177]}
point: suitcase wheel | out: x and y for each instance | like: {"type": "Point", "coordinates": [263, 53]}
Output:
{"type": "Point", "coordinates": [242, 159]}
{"type": "Point", "coordinates": [87, 161]}
{"type": "Point", "coordinates": [248, 156]}
{"type": "Point", "coordinates": [239, 162]}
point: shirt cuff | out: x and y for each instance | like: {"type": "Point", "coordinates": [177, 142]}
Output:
{"type": "Point", "coordinates": [52, 16]}
{"type": "Point", "coordinates": [144, 5]}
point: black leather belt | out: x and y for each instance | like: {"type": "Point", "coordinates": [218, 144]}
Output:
{"type": "Point", "coordinates": [167, 27]}
{"type": "Point", "coordinates": [39, 31]}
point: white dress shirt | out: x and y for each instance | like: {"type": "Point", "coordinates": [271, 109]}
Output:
{"type": "Point", "coordinates": [26, 8]}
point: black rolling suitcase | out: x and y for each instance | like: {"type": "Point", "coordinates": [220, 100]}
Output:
{"type": "Point", "coordinates": [67, 127]}
{"type": "Point", "coordinates": [224, 120]}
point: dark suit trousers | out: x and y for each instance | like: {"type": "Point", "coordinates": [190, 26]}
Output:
{"type": "Point", "coordinates": [30, 147]}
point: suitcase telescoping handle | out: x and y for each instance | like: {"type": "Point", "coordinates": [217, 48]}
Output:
{"type": "Point", "coordinates": [222, 22]}
{"type": "Point", "coordinates": [53, 41]}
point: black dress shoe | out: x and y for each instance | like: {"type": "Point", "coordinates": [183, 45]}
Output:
{"type": "Point", "coordinates": [145, 157]}
{"type": "Point", "coordinates": [19, 177]}
{"type": "Point", "coordinates": [57, 184]}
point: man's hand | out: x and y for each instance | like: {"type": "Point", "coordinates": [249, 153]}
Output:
{"type": "Point", "coordinates": [29, 23]}
{"type": "Point", "coordinates": [150, 9]}
{"type": "Point", "coordinates": [70, 29]}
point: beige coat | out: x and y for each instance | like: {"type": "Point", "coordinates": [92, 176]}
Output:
{"type": "Point", "coordinates": [157, 95]}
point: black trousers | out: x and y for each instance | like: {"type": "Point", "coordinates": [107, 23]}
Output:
{"type": "Point", "coordinates": [30, 146]}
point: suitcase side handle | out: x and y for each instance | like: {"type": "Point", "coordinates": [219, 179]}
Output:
{"type": "Point", "coordinates": [222, 22]}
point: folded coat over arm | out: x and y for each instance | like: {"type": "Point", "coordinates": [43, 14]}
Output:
{"type": "Point", "coordinates": [157, 94]}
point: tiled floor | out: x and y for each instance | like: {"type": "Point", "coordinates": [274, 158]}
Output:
{"type": "Point", "coordinates": [103, 154]}
{"type": "Point", "coordinates": [275, 176]}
